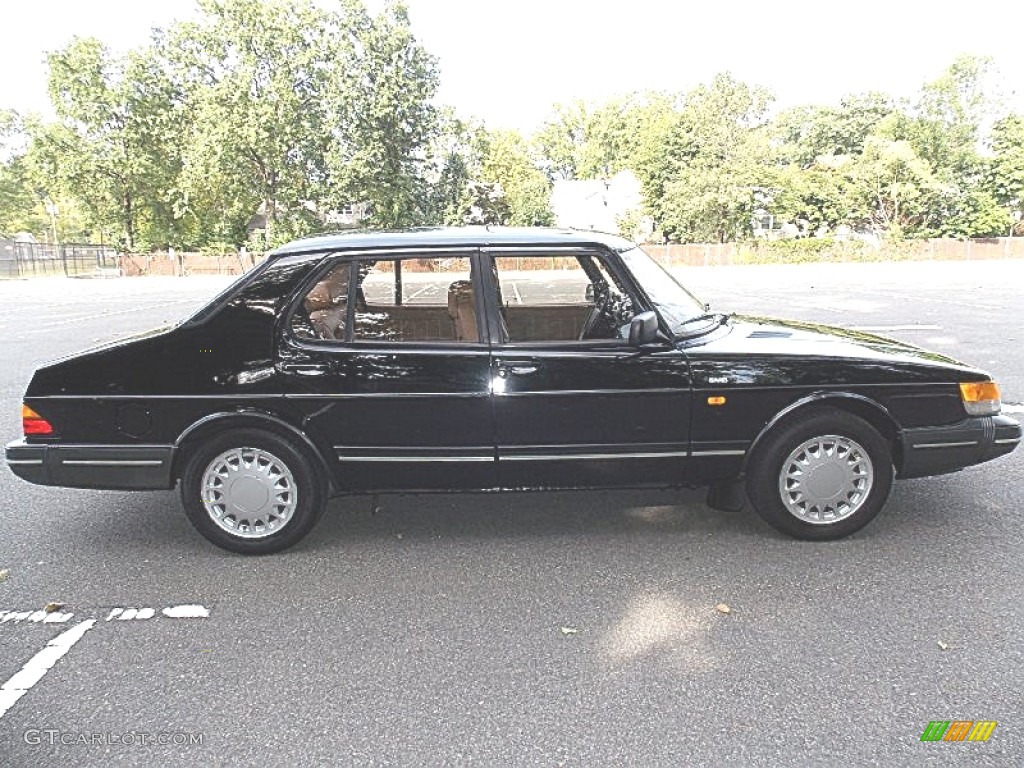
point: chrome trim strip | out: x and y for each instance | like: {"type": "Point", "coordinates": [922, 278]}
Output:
{"type": "Point", "coordinates": [240, 396]}
{"type": "Point", "coordinates": [413, 459]}
{"type": "Point", "coordinates": [545, 392]}
{"type": "Point", "coordinates": [376, 346]}
{"type": "Point", "coordinates": [24, 461]}
{"type": "Point", "coordinates": [822, 389]}
{"type": "Point", "coordinates": [738, 452]}
{"type": "Point", "coordinates": [112, 462]}
{"type": "Point", "coordinates": [962, 444]}
{"type": "Point", "coordinates": [589, 456]}
{"type": "Point", "coordinates": [392, 395]}
{"type": "Point", "coordinates": [90, 446]}
{"type": "Point", "coordinates": [1006, 440]}
{"type": "Point", "coordinates": [340, 252]}
{"type": "Point", "coordinates": [269, 396]}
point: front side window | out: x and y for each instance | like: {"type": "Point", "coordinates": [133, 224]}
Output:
{"type": "Point", "coordinates": [561, 298]}
{"type": "Point", "coordinates": [428, 299]}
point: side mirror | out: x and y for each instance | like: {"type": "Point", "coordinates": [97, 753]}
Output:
{"type": "Point", "coordinates": [643, 329]}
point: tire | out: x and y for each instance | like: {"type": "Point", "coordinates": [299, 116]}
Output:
{"type": "Point", "coordinates": [849, 481]}
{"type": "Point", "coordinates": [263, 493]}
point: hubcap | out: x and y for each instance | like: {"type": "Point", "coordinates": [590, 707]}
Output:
{"type": "Point", "coordinates": [249, 492]}
{"type": "Point", "coordinates": [826, 479]}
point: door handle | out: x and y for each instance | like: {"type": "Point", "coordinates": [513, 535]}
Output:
{"type": "Point", "coordinates": [517, 368]}
{"type": "Point", "coordinates": [305, 369]}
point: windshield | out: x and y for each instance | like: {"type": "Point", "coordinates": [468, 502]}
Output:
{"type": "Point", "coordinates": [676, 305]}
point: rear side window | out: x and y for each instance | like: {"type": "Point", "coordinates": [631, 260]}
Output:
{"type": "Point", "coordinates": [416, 300]}
{"type": "Point", "coordinates": [409, 299]}
{"type": "Point", "coordinates": [323, 313]}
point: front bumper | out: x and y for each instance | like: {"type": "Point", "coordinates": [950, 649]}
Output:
{"type": "Point", "coordinates": [111, 467]}
{"type": "Point", "coordinates": [938, 450]}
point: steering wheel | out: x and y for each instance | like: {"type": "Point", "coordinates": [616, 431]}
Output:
{"type": "Point", "coordinates": [599, 323]}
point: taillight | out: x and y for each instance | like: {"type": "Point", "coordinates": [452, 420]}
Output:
{"type": "Point", "coordinates": [981, 398]}
{"type": "Point", "coordinates": [34, 424]}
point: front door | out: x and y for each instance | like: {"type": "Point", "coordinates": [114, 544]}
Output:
{"type": "Point", "coordinates": [391, 348]}
{"type": "Point", "coordinates": [575, 405]}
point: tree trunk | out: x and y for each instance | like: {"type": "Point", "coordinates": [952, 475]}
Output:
{"type": "Point", "coordinates": [129, 222]}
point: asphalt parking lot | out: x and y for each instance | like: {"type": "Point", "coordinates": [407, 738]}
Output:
{"type": "Point", "coordinates": [527, 629]}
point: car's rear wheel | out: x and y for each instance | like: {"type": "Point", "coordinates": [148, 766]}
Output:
{"type": "Point", "coordinates": [252, 492]}
{"type": "Point", "coordinates": [823, 475]}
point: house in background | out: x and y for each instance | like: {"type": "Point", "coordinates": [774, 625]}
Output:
{"type": "Point", "coordinates": [602, 205]}
{"type": "Point", "coordinates": [347, 217]}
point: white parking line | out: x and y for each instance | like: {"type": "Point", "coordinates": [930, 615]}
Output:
{"type": "Point", "coordinates": [43, 661]}
{"type": "Point", "coordinates": [184, 611]}
{"type": "Point", "coordinates": [40, 664]}
{"type": "Point", "coordinates": [56, 617]}
{"type": "Point", "coordinates": [1013, 409]}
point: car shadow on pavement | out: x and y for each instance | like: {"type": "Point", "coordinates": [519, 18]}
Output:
{"type": "Point", "coordinates": [528, 514]}
{"type": "Point", "coordinates": [113, 521]}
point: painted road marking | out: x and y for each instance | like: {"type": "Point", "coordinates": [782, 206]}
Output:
{"type": "Point", "coordinates": [1013, 409]}
{"type": "Point", "coordinates": [43, 661]}
{"type": "Point", "coordinates": [186, 611]}
{"type": "Point", "coordinates": [40, 664]}
{"type": "Point", "coordinates": [37, 617]}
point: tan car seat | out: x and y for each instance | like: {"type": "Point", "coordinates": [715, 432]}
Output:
{"type": "Point", "coordinates": [327, 302]}
{"type": "Point", "coordinates": [462, 310]}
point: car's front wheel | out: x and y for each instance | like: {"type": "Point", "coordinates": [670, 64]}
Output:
{"type": "Point", "coordinates": [252, 492]}
{"type": "Point", "coordinates": [823, 475]}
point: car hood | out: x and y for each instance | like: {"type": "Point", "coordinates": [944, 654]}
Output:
{"type": "Point", "coordinates": [752, 335]}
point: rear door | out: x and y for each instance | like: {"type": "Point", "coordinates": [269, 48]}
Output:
{"type": "Point", "coordinates": [576, 405]}
{"type": "Point", "coordinates": [390, 347]}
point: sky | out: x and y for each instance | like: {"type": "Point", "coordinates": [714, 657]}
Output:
{"type": "Point", "coordinates": [508, 63]}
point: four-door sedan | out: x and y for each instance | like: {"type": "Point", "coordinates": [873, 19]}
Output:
{"type": "Point", "coordinates": [459, 359]}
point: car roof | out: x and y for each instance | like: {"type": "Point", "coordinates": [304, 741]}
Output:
{"type": "Point", "coordinates": [432, 237]}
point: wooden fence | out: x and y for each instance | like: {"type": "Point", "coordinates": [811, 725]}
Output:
{"type": "Point", "coordinates": [690, 254]}
{"type": "Point", "coordinates": [944, 249]}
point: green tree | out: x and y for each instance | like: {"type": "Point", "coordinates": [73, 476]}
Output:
{"type": "Point", "coordinates": [456, 156]}
{"type": "Point", "coordinates": [257, 78]}
{"type": "Point", "coordinates": [946, 131]}
{"type": "Point", "coordinates": [562, 140]}
{"type": "Point", "coordinates": [113, 146]}
{"type": "Point", "coordinates": [19, 207]}
{"type": "Point", "coordinates": [1006, 170]}
{"type": "Point", "coordinates": [527, 192]}
{"type": "Point", "coordinates": [814, 198]}
{"type": "Point", "coordinates": [810, 132]}
{"type": "Point", "coordinates": [720, 151]}
{"type": "Point", "coordinates": [891, 187]}
{"type": "Point", "coordinates": [384, 118]}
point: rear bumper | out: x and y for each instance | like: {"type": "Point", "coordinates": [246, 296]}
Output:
{"type": "Point", "coordinates": [938, 450]}
{"type": "Point", "coordinates": [112, 467]}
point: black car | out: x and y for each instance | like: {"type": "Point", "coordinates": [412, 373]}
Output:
{"type": "Point", "coordinates": [460, 359]}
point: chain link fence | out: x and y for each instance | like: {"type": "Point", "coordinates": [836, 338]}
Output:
{"type": "Point", "coordinates": [64, 260]}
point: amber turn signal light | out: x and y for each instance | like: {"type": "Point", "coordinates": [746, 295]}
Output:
{"type": "Point", "coordinates": [716, 400]}
{"type": "Point", "coordinates": [981, 398]}
{"type": "Point", "coordinates": [34, 424]}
